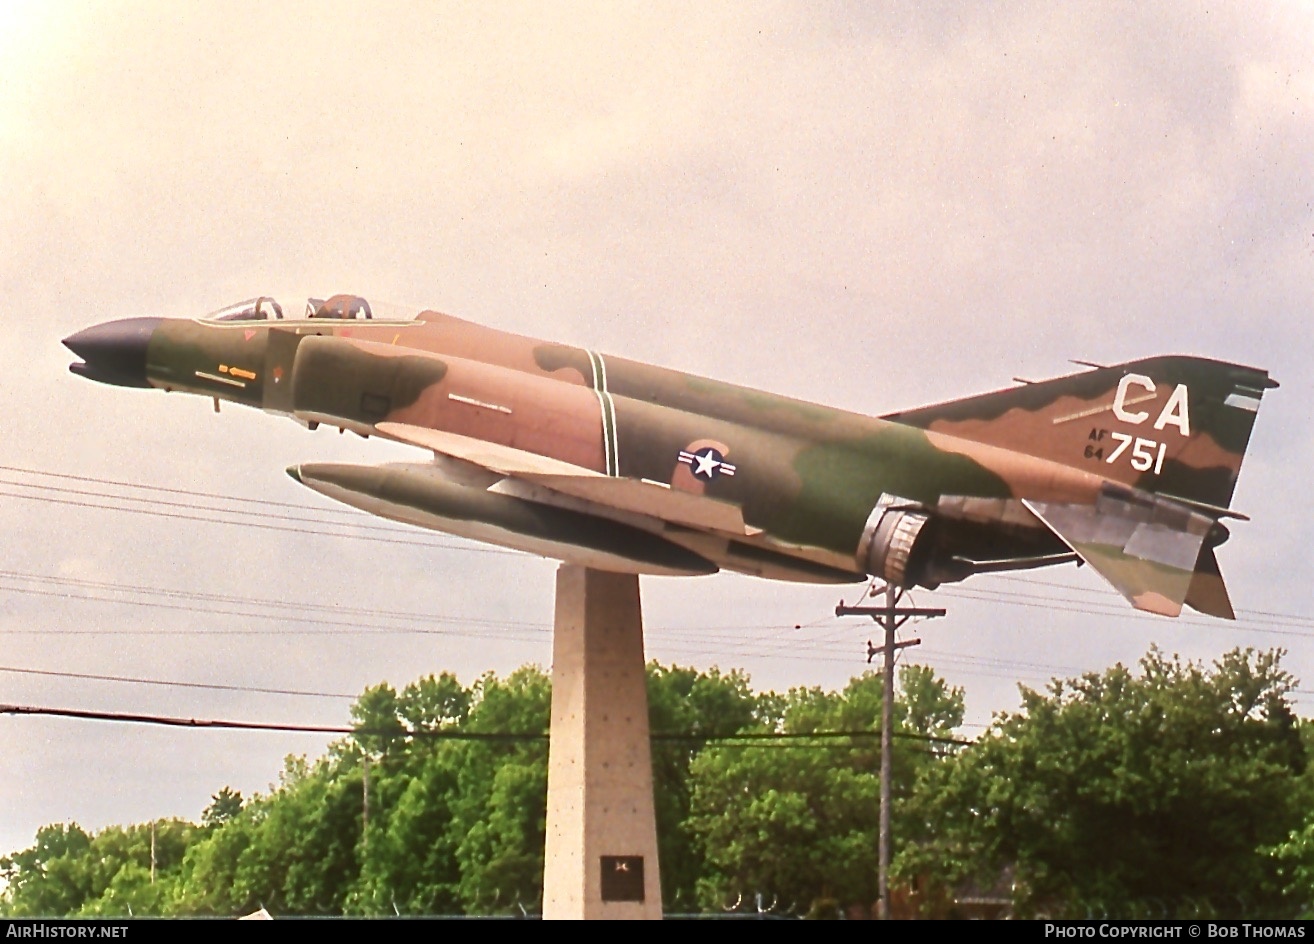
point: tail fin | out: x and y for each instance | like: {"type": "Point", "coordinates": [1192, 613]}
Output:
{"type": "Point", "coordinates": [1174, 426]}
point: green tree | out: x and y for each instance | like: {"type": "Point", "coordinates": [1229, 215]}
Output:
{"type": "Point", "coordinates": [455, 817]}
{"type": "Point", "coordinates": [797, 819]}
{"type": "Point", "coordinates": [685, 709]}
{"type": "Point", "coordinates": [118, 871]}
{"type": "Point", "coordinates": [1294, 861]}
{"type": "Point", "coordinates": [378, 722]}
{"type": "Point", "coordinates": [1128, 793]}
{"type": "Point", "coordinates": [51, 878]}
{"type": "Point", "coordinates": [1294, 856]}
{"type": "Point", "coordinates": [500, 810]}
{"type": "Point", "coordinates": [136, 868]}
{"type": "Point", "coordinates": [207, 882]}
{"type": "Point", "coordinates": [408, 854]}
{"type": "Point", "coordinates": [294, 852]}
{"type": "Point", "coordinates": [224, 805]}
{"type": "Point", "coordinates": [434, 703]}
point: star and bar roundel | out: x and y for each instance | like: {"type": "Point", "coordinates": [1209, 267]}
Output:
{"type": "Point", "coordinates": [707, 463]}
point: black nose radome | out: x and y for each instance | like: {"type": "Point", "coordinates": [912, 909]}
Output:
{"type": "Point", "coordinates": [114, 352]}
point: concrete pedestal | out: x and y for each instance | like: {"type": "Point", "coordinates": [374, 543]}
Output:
{"type": "Point", "coordinates": [601, 855]}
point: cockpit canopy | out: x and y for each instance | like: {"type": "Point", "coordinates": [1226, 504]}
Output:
{"type": "Point", "coordinates": [264, 308]}
{"type": "Point", "coordinates": [253, 309]}
{"type": "Point", "coordinates": [339, 306]}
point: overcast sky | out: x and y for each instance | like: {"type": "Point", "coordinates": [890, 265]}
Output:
{"type": "Point", "coordinates": [870, 205]}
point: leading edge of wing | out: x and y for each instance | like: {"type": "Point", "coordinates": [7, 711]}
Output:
{"type": "Point", "coordinates": [1146, 546]}
{"type": "Point", "coordinates": [652, 499]}
{"type": "Point", "coordinates": [503, 460]}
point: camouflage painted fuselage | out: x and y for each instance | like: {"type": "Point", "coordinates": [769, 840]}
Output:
{"type": "Point", "coordinates": [623, 465]}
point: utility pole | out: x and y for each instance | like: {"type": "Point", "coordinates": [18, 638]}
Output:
{"type": "Point", "coordinates": [365, 804]}
{"type": "Point", "coordinates": [891, 616]}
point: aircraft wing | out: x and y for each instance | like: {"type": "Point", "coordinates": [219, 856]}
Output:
{"type": "Point", "coordinates": [504, 460]}
{"type": "Point", "coordinates": [652, 499]}
{"type": "Point", "coordinates": [1151, 549]}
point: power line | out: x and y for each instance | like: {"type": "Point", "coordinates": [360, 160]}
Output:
{"type": "Point", "coordinates": [718, 636]}
{"type": "Point", "coordinates": [285, 610]}
{"type": "Point", "coordinates": [300, 606]}
{"type": "Point", "coordinates": [1244, 622]}
{"type": "Point", "coordinates": [442, 733]}
{"type": "Point", "coordinates": [171, 684]}
{"type": "Point", "coordinates": [188, 600]}
{"type": "Point", "coordinates": [261, 526]}
{"type": "Point", "coordinates": [219, 724]}
{"type": "Point", "coordinates": [712, 642]}
{"type": "Point", "coordinates": [805, 735]}
{"type": "Point", "coordinates": [252, 689]}
{"type": "Point", "coordinates": [119, 483]}
{"type": "Point", "coordinates": [167, 721]}
{"type": "Point", "coordinates": [368, 525]}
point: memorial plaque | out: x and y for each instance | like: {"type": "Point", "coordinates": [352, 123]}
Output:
{"type": "Point", "coordinates": [622, 878]}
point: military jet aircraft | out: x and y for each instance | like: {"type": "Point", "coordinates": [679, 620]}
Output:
{"type": "Point", "coordinates": [618, 465]}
